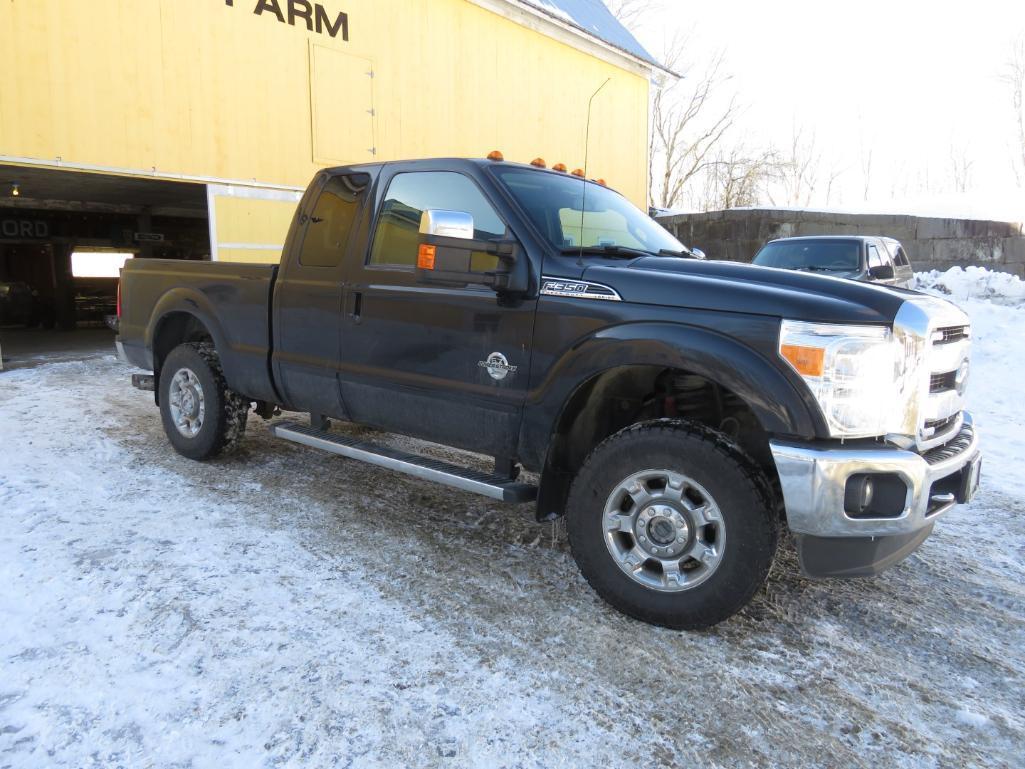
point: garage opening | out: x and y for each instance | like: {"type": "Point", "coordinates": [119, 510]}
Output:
{"type": "Point", "coordinates": [63, 236]}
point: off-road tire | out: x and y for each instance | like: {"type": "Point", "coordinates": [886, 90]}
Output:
{"type": "Point", "coordinates": [226, 413]}
{"type": "Point", "coordinates": [739, 489]}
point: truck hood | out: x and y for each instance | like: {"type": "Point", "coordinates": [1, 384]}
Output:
{"type": "Point", "coordinates": [735, 287]}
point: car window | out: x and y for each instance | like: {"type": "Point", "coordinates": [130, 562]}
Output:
{"type": "Point", "coordinates": [875, 258]}
{"type": "Point", "coordinates": [331, 221]}
{"type": "Point", "coordinates": [396, 238]}
{"type": "Point", "coordinates": [901, 257]}
{"type": "Point", "coordinates": [810, 255]}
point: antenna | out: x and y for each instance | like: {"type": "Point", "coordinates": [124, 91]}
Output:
{"type": "Point", "coordinates": [583, 197]}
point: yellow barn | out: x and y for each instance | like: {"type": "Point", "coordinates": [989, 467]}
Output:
{"type": "Point", "coordinates": [188, 128]}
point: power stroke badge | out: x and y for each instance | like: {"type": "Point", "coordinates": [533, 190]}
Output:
{"type": "Point", "coordinates": [497, 366]}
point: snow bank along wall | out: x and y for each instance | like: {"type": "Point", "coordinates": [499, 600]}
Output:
{"type": "Point", "coordinates": [932, 243]}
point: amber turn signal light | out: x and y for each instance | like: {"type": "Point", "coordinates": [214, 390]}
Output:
{"type": "Point", "coordinates": [425, 257]}
{"type": "Point", "coordinates": [496, 155]}
{"type": "Point", "coordinates": [807, 361]}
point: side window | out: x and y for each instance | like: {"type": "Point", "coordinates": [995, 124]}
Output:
{"type": "Point", "coordinates": [875, 259]}
{"type": "Point", "coordinates": [409, 195]}
{"type": "Point", "coordinates": [901, 258]}
{"type": "Point", "coordinates": [331, 221]}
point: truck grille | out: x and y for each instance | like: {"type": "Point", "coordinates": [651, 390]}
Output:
{"type": "Point", "coordinates": [949, 334]}
{"type": "Point", "coordinates": [940, 425]}
{"type": "Point", "coordinates": [947, 351]}
{"type": "Point", "coordinates": [941, 382]}
{"type": "Point", "coordinates": [958, 445]}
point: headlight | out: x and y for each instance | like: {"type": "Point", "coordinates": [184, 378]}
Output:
{"type": "Point", "coordinates": [865, 378]}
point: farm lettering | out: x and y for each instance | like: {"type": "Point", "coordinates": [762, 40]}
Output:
{"type": "Point", "coordinates": [313, 15]}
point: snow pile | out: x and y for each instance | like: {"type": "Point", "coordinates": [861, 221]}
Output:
{"type": "Point", "coordinates": [964, 283]}
{"type": "Point", "coordinates": [995, 302]}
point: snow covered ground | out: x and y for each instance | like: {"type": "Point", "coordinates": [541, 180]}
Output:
{"type": "Point", "coordinates": [284, 608]}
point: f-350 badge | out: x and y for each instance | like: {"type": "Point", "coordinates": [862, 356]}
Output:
{"type": "Point", "coordinates": [497, 366]}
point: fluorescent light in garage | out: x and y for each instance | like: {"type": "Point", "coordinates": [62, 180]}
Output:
{"type": "Point", "coordinates": [98, 264]}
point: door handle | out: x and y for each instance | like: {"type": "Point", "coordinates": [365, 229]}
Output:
{"type": "Point", "coordinates": [357, 306]}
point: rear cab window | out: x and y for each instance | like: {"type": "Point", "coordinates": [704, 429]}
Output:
{"type": "Point", "coordinates": [331, 221]}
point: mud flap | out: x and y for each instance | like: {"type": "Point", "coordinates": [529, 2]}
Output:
{"type": "Point", "coordinates": [822, 557]}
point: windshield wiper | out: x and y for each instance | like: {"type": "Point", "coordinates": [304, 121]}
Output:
{"type": "Point", "coordinates": [624, 251]}
{"type": "Point", "coordinates": [814, 268]}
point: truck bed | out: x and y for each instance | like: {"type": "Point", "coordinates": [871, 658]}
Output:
{"type": "Point", "coordinates": [231, 299]}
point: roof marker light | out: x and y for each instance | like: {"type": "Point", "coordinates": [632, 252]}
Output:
{"type": "Point", "coordinates": [559, 167]}
{"type": "Point", "coordinates": [578, 172]}
{"type": "Point", "coordinates": [539, 163]}
{"type": "Point", "coordinates": [496, 156]}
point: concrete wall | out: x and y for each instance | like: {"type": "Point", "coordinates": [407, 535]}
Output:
{"type": "Point", "coordinates": [932, 244]}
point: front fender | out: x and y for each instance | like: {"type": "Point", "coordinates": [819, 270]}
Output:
{"type": "Point", "coordinates": [779, 400]}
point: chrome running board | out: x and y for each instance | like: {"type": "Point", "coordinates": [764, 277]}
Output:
{"type": "Point", "coordinates": [488, 484]}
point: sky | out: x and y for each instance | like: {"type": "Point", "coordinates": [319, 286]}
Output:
{"type": "Point", "coordinates": [910, 82]}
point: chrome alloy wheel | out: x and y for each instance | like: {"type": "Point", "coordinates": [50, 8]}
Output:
{"type": "Point", "coordinates": [188, 406]}
{"type": "Point", "coordinates": [664, 530]}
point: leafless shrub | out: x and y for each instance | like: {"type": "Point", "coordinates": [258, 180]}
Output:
{"type": "Point", "coordinates": [1014, 77]}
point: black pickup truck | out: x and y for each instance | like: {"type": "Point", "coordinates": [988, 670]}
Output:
{"type": "Point", "coordinates": [676, 411]}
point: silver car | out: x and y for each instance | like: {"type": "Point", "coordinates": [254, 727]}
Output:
{"type": "Point", "coordinates": [869, 258]}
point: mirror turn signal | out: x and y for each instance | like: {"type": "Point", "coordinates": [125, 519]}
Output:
{"type": "Point", "coordinates": [425, 257]}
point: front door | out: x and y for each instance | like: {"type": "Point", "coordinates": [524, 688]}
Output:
{"type": "Point", "coordinates": [447, 364]}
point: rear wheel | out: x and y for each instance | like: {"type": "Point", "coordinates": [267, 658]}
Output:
{"type": "Point", "coordinates": [671, 523]}
{"type": "Point", "coordinates": [202, 417]}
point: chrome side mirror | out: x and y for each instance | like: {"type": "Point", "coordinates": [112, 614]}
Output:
{"type": "Point", "coordinates": [447, 224]}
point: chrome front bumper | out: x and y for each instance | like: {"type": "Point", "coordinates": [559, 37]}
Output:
{"type": "Point", "coordinates": [814, 480]}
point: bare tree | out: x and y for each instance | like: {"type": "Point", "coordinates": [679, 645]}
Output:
{"type": "Point", "coordinates": [798, 172]}
{"type": "Point", "coordinates": [800, 177]}
{"type": "Point", "coordinates": [688, 123]}
{"type": "Point", "coordinates": [631, 12]}
{"type": "Point", "coordinates": [866, 172]}
{"type": "Point", "coordinates": [1014, 76]}
{"type": "Point", "coordinates": [736, 177]}
{"type": "Point", "coordinates": [960, 168]}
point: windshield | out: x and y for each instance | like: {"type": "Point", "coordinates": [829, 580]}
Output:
{"type": "Point", "coordinates": [555, 205]}
{"type": "Point", "coordinates": [827, 255]}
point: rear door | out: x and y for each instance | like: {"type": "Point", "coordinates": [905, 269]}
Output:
{"type": "Point", "coordinates": [308, 295]}
{"type": "Point", "coordinates": [901, 263]}
{"type": "Point", "coordinates": [449, 364]}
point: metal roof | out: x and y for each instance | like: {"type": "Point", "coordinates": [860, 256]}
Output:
{"type": "Point", "coordinates": [593, 18]}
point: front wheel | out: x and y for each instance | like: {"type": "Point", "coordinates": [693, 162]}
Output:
{"type": "Point", "coordinates": [671, 523]}
{"type": "Point", "coordinates": [202, 417]}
